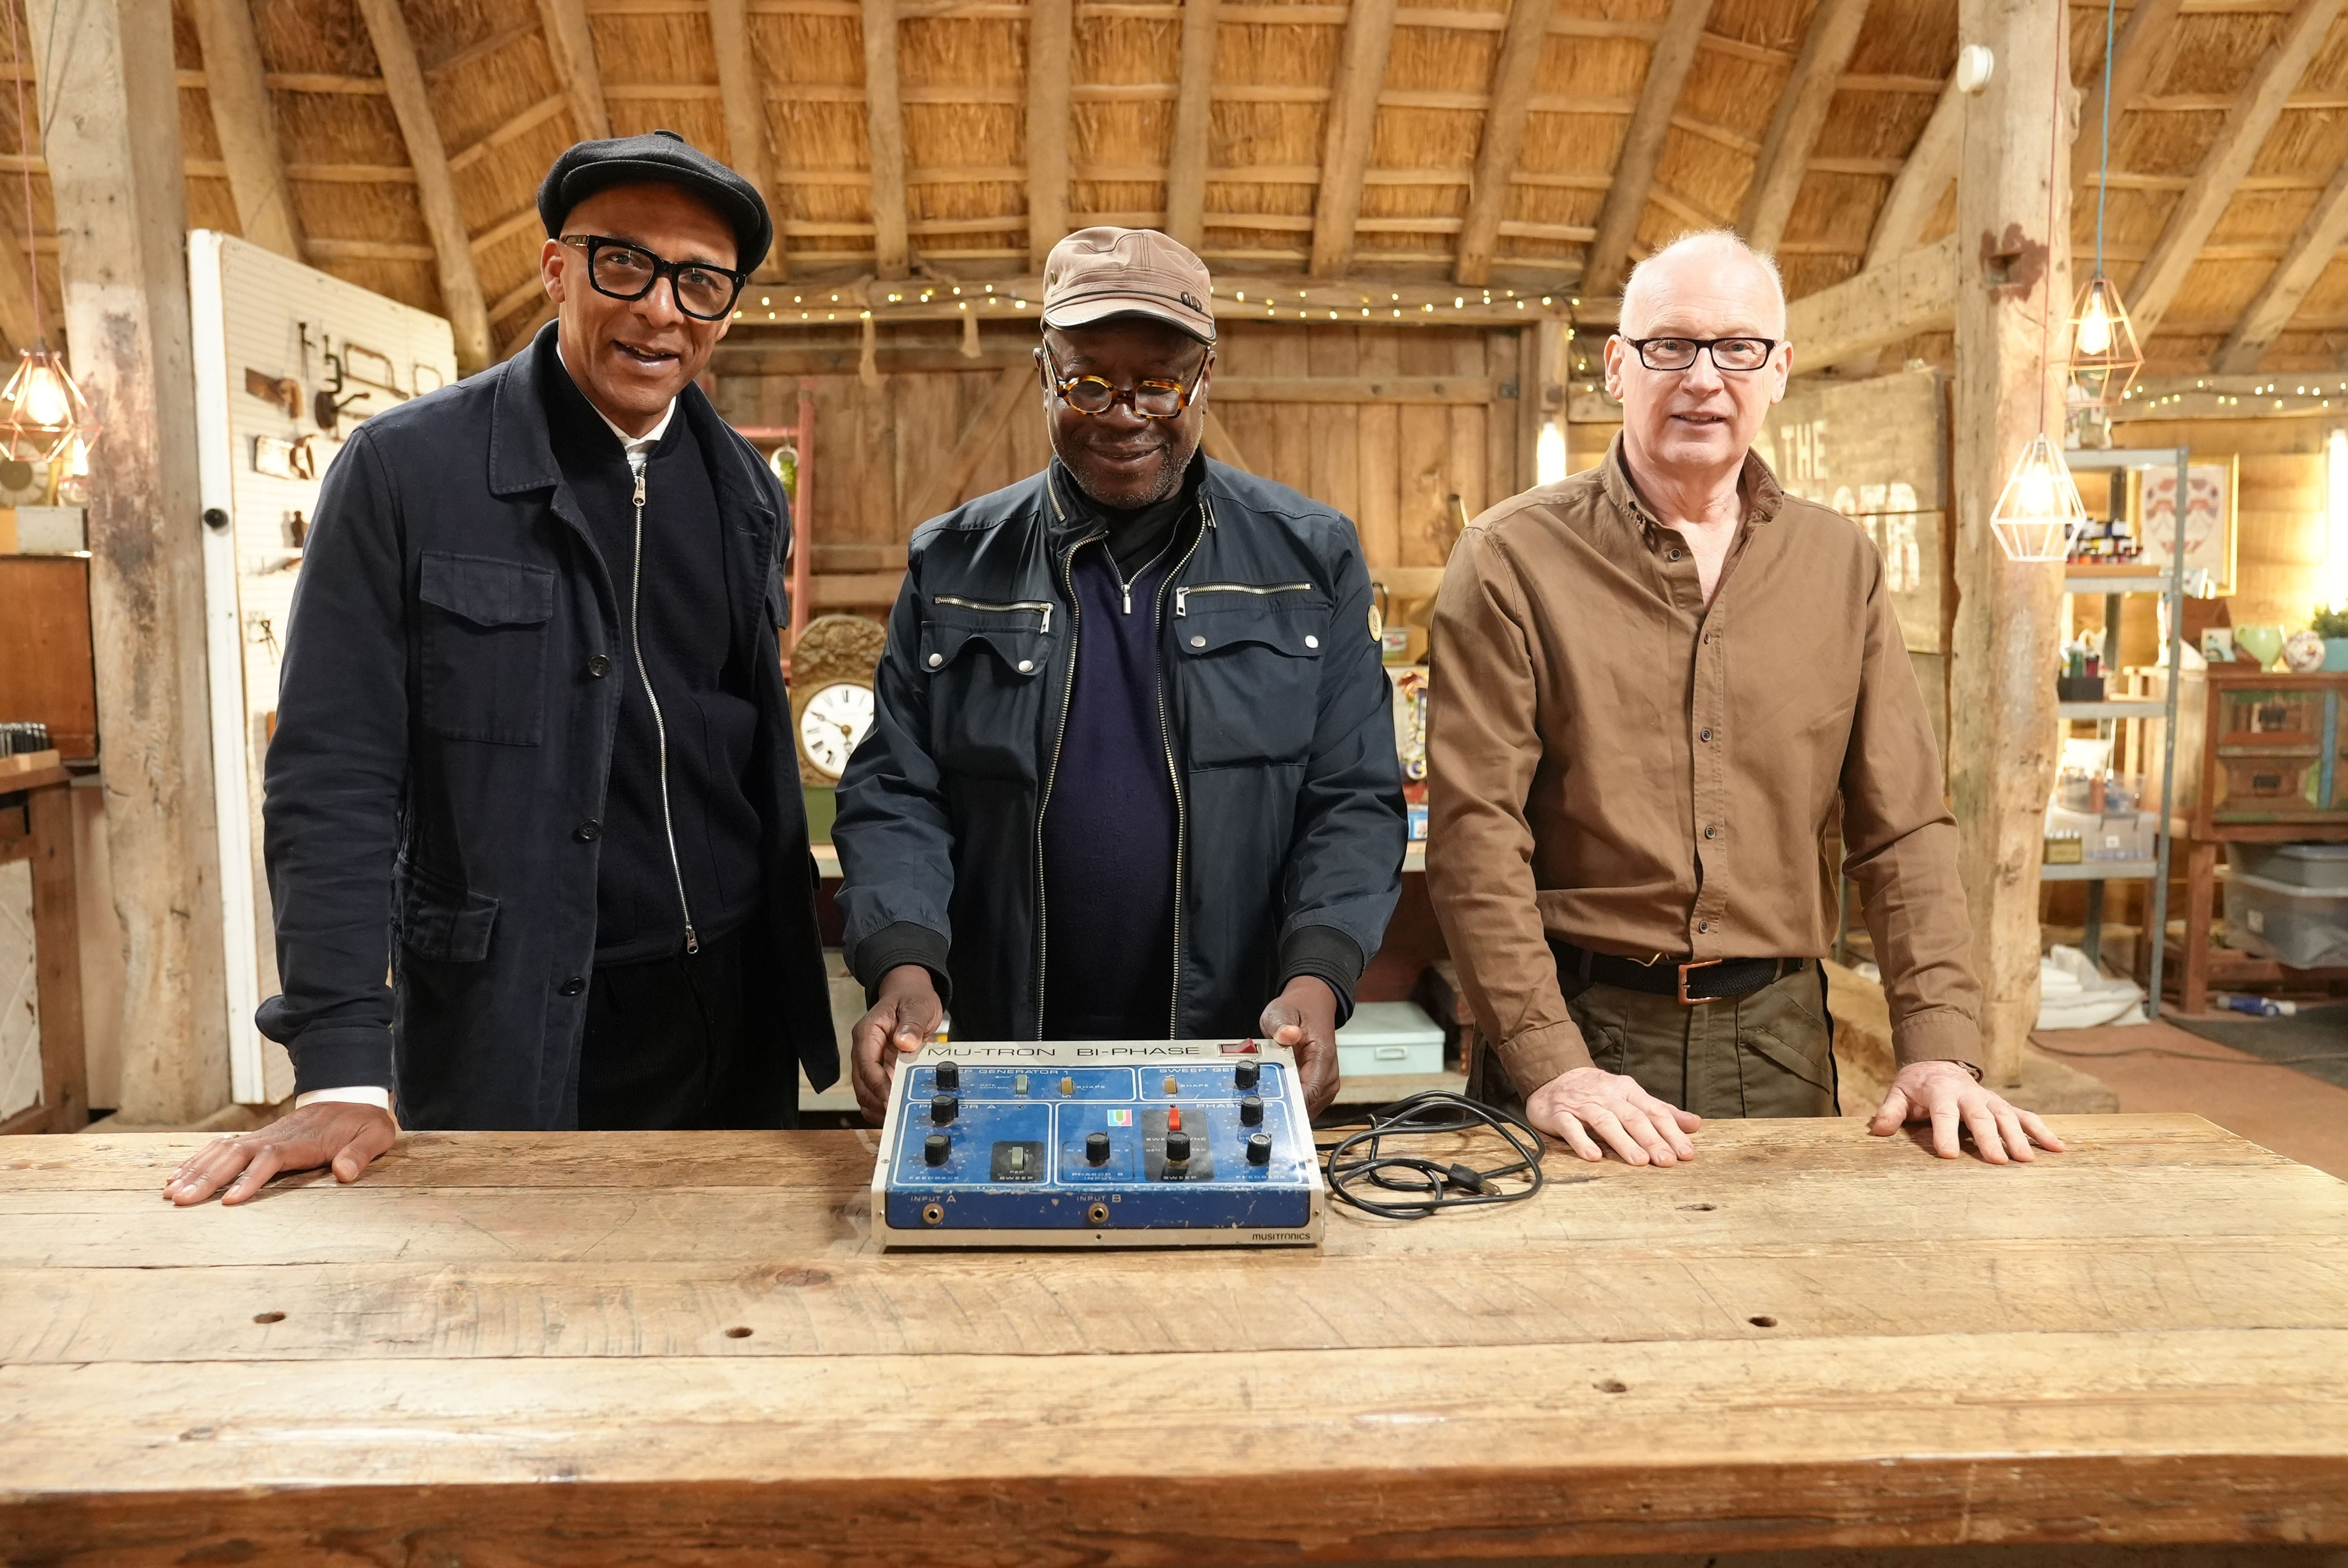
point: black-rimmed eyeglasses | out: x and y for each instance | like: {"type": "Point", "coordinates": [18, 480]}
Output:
{"type": "Point", "coordinates": [1727, 353]}
{"type": "Point", "coordinates": [1093, 396]}
{"type": "Point", "coordinates": [626, 271]}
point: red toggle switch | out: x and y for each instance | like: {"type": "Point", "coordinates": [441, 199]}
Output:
{"type": "Point", "coordinates": [1174, 1119]}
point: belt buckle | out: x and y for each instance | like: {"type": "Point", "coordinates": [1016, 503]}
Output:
{"type": "Point", "coordinates": [1687, 1000]}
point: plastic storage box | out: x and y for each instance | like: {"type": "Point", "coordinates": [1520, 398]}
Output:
{"type": "Point", "coordinates": [2299, 927]}
{"type": "Point", "coordinates": [1383, 1037]}
{"type": "Point", "coordinates": [2322, 867]}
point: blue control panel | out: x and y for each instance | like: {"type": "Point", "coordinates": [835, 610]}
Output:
{"type": "Point", "coordinates": [1097, 1144]}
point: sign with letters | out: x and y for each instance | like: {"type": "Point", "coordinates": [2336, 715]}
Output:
{"type": "Point", "coordinates": [1877, 451]}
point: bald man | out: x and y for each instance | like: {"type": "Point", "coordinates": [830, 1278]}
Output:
{"type": "Point", "coordinates": [1652, 684]}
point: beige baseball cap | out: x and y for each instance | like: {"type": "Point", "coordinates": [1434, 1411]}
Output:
{"type": "Point", "coordinates": [1097, 273]}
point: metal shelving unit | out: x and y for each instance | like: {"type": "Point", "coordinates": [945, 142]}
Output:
{"type": "Point", "coordinates": [2170, 586]}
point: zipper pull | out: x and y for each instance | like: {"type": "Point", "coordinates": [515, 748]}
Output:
{"type": "Point", "coordinates": [640, 486]}
{"type": "Point", "coordinates": [1181, 601]}
{"type": "Point", "coordinates": [1127, 588]}
{"type": "Point", "coordinates": [691, 941]}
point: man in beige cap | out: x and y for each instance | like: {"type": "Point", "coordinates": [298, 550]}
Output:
{"type": "Point", "coordinates": [1131, 774]}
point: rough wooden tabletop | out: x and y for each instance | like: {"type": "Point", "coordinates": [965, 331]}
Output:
{"type": "Point", "coordinates": [1805, 1338]}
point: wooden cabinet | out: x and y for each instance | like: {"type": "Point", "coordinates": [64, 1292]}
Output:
{"type": "Point", "coordinates": [2261, 757]}
{"type": "Point", "coordinates": [45, 672]}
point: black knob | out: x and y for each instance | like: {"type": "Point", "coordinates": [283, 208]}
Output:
{"type": "Point", "coordinates": [949, 1075]}
{"type": "Point", "coordinates": [1259, 1148]}
{"type": "Point", "coordinates": [935, 1147]}
{"type": "Point", "coordinates": [1251, 1112]}
{"type": "Point", "coordinates": [1178, 1148]}
{"type": "Point", "coordinates": [214, 517]}
{"type": "Point", "coordinates": [942, 1107]}
{"type": "Point", "coordinates": [1246, 1075]}
{"type": "Point", "coordinates": [1097, 1148]}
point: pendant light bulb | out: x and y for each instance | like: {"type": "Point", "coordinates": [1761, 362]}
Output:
{"type": "Point", "coordinates": [2039, 512]}
{"type": "Point", "coordinates": [2104, 353]}
{"type": "Point", "coordinates": [42, 411]}
{"type": "Point", "coordinates": [2095, 326]}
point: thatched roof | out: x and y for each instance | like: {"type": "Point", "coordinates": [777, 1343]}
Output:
{"type": "Point", "coordinates": [504, 104]}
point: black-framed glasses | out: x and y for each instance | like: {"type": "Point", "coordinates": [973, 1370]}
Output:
{"type": "Point", "coordinates": [1727, 353]}
{"type": "Point", "coordinates": [626, 271]}
{"type": "Point", "coordinates": [1092, 396]}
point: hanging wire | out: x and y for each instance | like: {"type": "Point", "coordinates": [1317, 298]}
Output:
{"type": "Point", "coordinates": [25, 159]}
{"type": "Point", "coordinates": [2104, 167]}
{"type": "Point", "coordinates": [2054, 150]}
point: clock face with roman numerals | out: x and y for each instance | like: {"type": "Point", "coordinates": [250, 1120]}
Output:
{"type": "Point", "coordinates": [831, 722]}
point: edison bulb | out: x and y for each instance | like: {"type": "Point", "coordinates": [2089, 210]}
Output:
{"type": "Point", "coordinates": [2095, 326]}
{"type": "Point", "coordinates": [45, 401]}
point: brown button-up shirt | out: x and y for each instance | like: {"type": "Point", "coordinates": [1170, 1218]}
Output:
{"type": "Point", "coordinates": [1613, 762]}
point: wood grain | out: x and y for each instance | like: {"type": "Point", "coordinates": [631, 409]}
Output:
{"type": "Point", "coordinates": [436, 189]}
{"type": "Point", "coordinates": [1807, 1337]}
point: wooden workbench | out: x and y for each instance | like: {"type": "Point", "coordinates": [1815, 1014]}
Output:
{"type": "Point", "coordinates": [1806, 1338]}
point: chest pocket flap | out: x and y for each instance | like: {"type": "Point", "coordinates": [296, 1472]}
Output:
{"type": "Point", "coordinates": [486, 593]}
{"type": "Point", "coordinates": [1014, 638]}
{"type": "Point", "coordinates": [484, 643]}
{"type": "Point", "coordinates": [1250, 677]}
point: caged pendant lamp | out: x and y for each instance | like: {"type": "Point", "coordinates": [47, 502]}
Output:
{"type": "Point", "coordinates": [2105, 356]}
{"type": "Point", "coordinates": [44, 416]}
{"type": "Point", "coordinates": [2039, 511]}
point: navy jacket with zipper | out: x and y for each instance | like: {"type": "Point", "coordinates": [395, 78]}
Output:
{"type": "Point", "coordinates": [452, 689]}
{"type": "Point", "coordinates": [1289, 797]}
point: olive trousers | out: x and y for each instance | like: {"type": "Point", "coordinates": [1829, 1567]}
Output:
{"type": "Point", "coordinates": [1769, 1052]}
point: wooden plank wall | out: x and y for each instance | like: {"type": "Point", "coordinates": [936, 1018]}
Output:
{"type": "Point", "coordinates": [1404, 472]}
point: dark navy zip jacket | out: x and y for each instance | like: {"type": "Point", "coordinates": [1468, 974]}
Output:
{"type": "Point", "coordinates": [436, 787]}
{"type": "Point", "coordinates": [1281, 719]}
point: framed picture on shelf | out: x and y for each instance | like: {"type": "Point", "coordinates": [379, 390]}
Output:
{"type": "Point", "coordinates": [2209, 518]}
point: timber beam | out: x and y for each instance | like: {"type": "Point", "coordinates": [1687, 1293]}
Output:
{"type": "Point", "coordinates": [884, 134]}
{"type": "Point", "coordinates": [1878, 308]}
{"type": "Point", "coordinates": [1514, 75]}
{"type": "Point", "coordinates": [1051, 36]}
{"type": "Point", "coordinates": [236, 85]}
{"type": "Point", "coordinates": [1642, 146]}
{"type": "Point", "coordinates": [2250, 117]}
{"type": "Point", "coordinates": [1186, 169]}
{"type": "Point", "coordinates": [1801, 114]}
{"type": "Point", "coordinates": [2311, 250]}
{"type": "Point", "coordinates": [436, 187]}
{"type": "Point", "coordinates": [1353, 122]}
{"type": "Point", "coordinates": [1290, 300]}
{"type": "Point", "coordinates": [571, 43]}
{"type": "Point", "coordinates": [744, 109]}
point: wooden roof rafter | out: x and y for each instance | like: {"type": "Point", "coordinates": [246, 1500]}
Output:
{"type": "Point", "coordinates": [1634, 178]}
{"type": "Point", "coordinates": [2250, 115]}
{"type": "Point", "coordinates": [1801, 114]}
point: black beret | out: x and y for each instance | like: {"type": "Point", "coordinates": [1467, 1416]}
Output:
{"type": "Point", "coordinates": [665, 158]}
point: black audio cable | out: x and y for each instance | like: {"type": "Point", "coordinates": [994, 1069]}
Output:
{"type": "Point", "coordinates": [1358, 1162]}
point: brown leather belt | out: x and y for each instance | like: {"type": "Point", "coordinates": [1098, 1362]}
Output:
{"type": "Point", "coordinates": [1693, 981]}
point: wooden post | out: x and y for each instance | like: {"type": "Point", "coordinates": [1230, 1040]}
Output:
{"type": "Point", "coordinates": [2002, 729]}
{"type": "Point", "coordinates": [115, 173]}
{"type": "Point", "coordinates": [1051, 25]}
{"type": "Point", "coordinates": [246, 124]}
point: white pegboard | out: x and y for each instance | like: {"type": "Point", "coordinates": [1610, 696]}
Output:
{"type": "Point", "coordinates": [256, 311]}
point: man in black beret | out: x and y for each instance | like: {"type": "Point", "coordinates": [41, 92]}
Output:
{"type": "Point", "coordinates": [533, 751]}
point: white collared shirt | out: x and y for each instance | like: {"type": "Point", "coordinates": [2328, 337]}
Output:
{"type": "Point", "coordinates": [639, 450]}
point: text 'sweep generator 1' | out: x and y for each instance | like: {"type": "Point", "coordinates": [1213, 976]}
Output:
{"type": "Point", "coordinates": [1184, 1142]}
